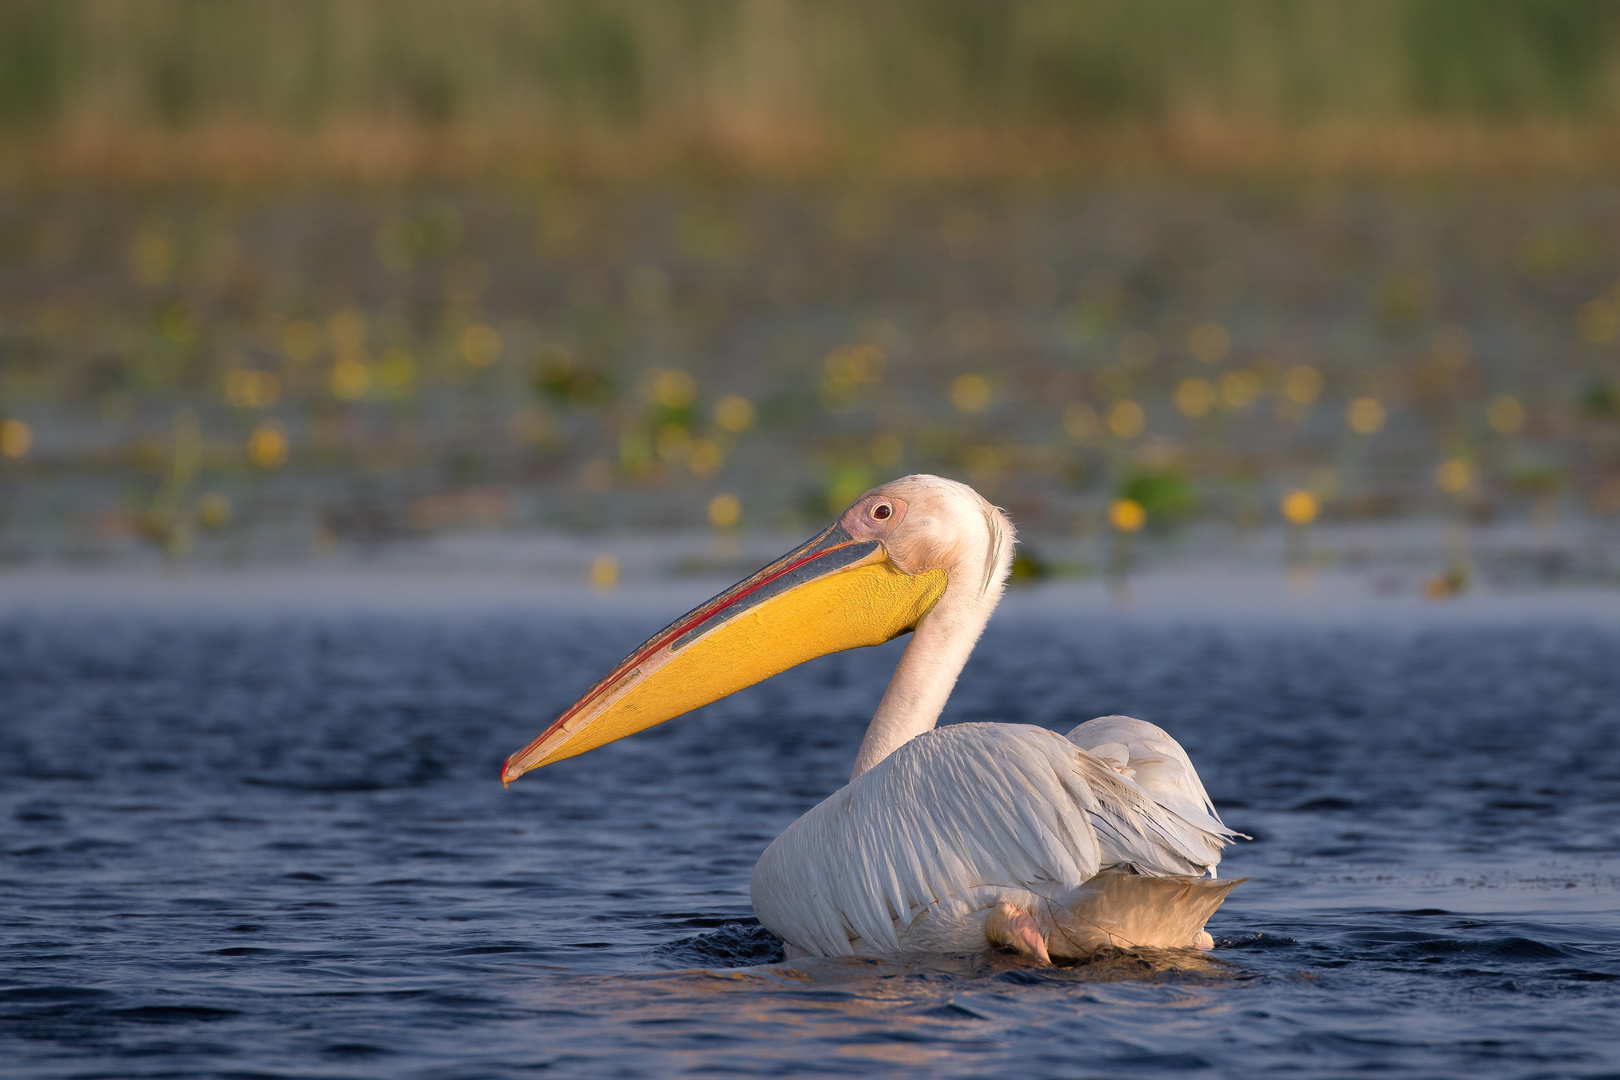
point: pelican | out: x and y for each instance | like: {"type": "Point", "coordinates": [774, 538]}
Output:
{"type": "Point", "coordinates": [945, 840]}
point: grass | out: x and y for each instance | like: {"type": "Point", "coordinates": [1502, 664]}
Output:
{"type": "Point", "coordinates": [368, 89]}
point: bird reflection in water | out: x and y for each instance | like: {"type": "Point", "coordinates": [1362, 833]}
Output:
{"type": "Point", "coordinates": [911, 1011]}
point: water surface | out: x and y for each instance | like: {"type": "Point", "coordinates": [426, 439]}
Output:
{"type": "Point", "coordinates": [274, 845]}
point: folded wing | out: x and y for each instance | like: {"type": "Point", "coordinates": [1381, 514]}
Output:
{"type": "Point", "coordinates": [952, 811]}
{"type": "Point", "coordinates": [1152, 765]}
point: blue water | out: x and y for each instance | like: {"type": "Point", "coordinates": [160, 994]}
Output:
{"type": "Point", "coordinates": [275, 846]}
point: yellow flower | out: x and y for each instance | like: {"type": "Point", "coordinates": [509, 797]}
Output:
{"type": "Point", "coordinates": [705, 457]}
{"type": "Point", "coordinates": [213, 510]}
{"type": "Point", "coordinates": [16, 438]}
{"type": "Point", "coordinates": [1365, 415]}
{"type": "Point", "coordinates": [970, 393]}
{"type": "Point", "coordinates": [1454, 476]}
{"type": "Point", "coordinates": [604, 572]}
{"type": "Point", "coordinates": [1194, 397]}
{"type": "Point", "coordinates": [267, 446]}
{"type": "Point", "coordinates": [1126, 419]}
{"type": "Point", "coordinates": [854, 365]}
{"type": "Point", "coordinates": [1299, 507]}
{"type": "Point", "coordinates": [1127, 515]}
{"type": "Point", "coordinates": [251, 389]}
{"type": "Point", "coordinates": [350, 379]}
{"type": "Point", "coordinates": [1238, 388]}
{"type": "Point", "coordinates": [724, 511]}
{"type": "Point", "coordinates": [674, 443]}
{"type": "Point", "coordinates": [734, 413]}
{"type": "Point", "coordinates": [1302, 385]}
{"type": "Point", "coordinates": [480, 345]}
{"type": "Point", "coordinates": [1505, 414]}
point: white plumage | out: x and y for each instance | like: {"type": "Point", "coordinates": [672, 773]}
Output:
{"type": "Point", "coordinates": [916, 853]}
{"type": "Point", "coordinates": [1148, 755]}
{"type": "Point", "coordinates": [943, 840]}
{"type": "Point", "coordinates": [1160, 796]}
{"type": "Point", "coordinates": [946, 839]}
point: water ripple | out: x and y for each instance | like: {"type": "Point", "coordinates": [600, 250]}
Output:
{"type": "Point", "coordinates": [274, 847]}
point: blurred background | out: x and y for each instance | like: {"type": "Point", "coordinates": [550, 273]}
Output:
{"type": "Point", "coordinates": [597, 289]}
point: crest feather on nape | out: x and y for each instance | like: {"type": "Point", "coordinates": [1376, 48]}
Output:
{"type": "Point", "coordinates": [993, 519]}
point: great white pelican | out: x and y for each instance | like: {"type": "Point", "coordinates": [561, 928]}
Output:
{"type": "Point", "coordinates": [945, 839]}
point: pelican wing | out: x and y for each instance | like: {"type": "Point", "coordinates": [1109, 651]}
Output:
{"type": "Point", "coordinates": [1137, 831]}
{"type": "Point", "coordinates": [1155, 763]}
{"type": "Point", "coordinates": [957, 809]}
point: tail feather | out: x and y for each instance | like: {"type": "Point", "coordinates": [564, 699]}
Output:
{"type": "Point", "coordinates": [1129, 911]}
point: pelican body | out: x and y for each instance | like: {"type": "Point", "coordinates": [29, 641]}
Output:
{"type": "Point", "coordinates": [945, 840]}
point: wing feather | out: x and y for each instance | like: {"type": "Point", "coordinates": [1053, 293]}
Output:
{"type": "Point", "coordinates": [983, 805]}
{"type": "Point", "coordinates": [1138, 831]}
{"type": "Point", "coordinates": [1147, 754]}
{"type": "Point", "coordinates": [959, 807]}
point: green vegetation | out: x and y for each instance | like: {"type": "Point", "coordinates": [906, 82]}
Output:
{"type": "Point", "coordinates": [735, 69]}
{"type": "Point", "coordinates": [1165, 494]}
{"type": "Point", "coordinates": [185, 367]}
{"type": "Point", "coordinates": [349, 269]}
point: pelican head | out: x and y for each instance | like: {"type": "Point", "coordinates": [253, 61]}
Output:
{"type": "Point", "coordinates": [873, 575]}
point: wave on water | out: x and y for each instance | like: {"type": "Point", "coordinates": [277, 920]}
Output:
{"type": "Point", "coordinates": [278, 847]}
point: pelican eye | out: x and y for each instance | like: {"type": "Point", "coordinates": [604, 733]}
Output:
{"type": "Point", "coordinates": [882, 511]}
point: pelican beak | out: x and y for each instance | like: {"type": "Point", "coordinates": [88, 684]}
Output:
{"type": "Point", "coordinates": [831, 594]}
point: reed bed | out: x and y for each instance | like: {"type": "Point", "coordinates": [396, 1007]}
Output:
{"type": "Point", "coordinates": [365, 90]}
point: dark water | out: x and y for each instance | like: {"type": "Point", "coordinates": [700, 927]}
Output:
{"type": "Point", "coordinates": [275, 846]}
